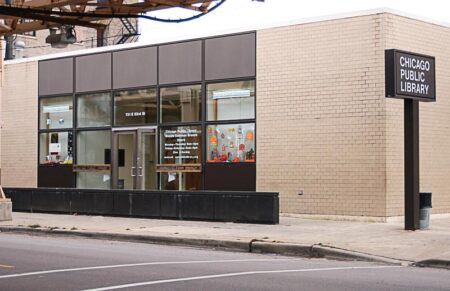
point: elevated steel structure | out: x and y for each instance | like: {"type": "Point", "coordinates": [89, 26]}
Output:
{"type": "Point", "coordinates": [20, 16]}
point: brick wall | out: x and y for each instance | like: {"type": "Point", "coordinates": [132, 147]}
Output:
{"type": "Point", "coordinates": [19, 125]}
{"type": "Point", "coordinates": [324, 127]}
{"type": "Point", "coordinates": [320, 116]}
{"type": "Point", "coordinates": [426, 38]}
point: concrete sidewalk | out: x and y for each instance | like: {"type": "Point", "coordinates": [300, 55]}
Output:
{"type": "Point", "coordinates": [340, 239]}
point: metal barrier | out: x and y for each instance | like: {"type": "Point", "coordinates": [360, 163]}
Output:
{"type": "Point", "coordinates": [252, 207]}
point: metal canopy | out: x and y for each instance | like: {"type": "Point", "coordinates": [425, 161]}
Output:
{"type": "Point", "coordinates": [21, 16]}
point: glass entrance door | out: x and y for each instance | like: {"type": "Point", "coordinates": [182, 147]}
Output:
{"type": "Point", "coordinates": [134, 159]}
{"type": "Point", "coordinates": [146, 160]}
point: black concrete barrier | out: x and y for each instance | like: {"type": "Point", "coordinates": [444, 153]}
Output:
{"type": "Point", "coordinates": [252, 207]}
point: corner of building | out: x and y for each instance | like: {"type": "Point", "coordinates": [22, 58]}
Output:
{"type": "Point", "coordinates": [18, 124]}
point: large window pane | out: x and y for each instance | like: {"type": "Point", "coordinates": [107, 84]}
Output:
{"type": "Point", "coordinates": [229, 101]}
{"type": "Point", "coordinates": [135, 107]}
{"type": "Point", "coordinates": [181, 181]}
{"type": "Point", "coordinates": [181, 145]}
{"type": "Point", "coordinates": [56, 112]}
{"type": "Point", "coordinates": [93, 147]}
{"type": "Point", "coordinates": [94, 110]}
{"type": "Point", "coordinates": [181, 104]}
{"type": "Point", "coordinates": [56, 148]}
{"type": "Point", "coordinates": [231, 143]}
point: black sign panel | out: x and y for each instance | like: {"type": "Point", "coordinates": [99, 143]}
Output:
{"type": "Point", "coordinates": [410, 75]}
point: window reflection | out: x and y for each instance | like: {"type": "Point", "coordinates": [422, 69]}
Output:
{"type": "Point", "coordinates": [232, 100]}
{"type": "Point", "coordinates": [56, 148]}
{"type": "Point", "coordinates": [93, 147]}
{"type": "Point", "coordinates": [135, 107]}
{"type": "Point", "coordinates": [56, 112]}
{"type": "Point", "coordinates": [181, 104]}
{"type": "Point", "coordinates": [231, 143]}
{"type": "Point", "coordinates": [94, 110]}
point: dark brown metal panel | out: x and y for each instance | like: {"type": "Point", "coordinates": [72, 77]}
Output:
{"type": "Point", "coordinates": [412, 169]}
{"type": "Point", "coordinates": [230, 176]}
{"type": "Point", "coordinates": [135, 68]}
{"type": "Point", "coordinates": [56, 76]}
{"type": "Point", "coordinates": [93, 72]}
{"type": "Point", "coordinates": [230, 57]}
{"type": "Point", "coordinates": [389, 73]}
{"type": "Point", "coordinates": [180, 62]}
{"type": "Point", "coordinates": [58, 176]}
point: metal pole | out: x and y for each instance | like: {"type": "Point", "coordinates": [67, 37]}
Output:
{"type": "Point", "coordinates": [100, 37]}
{"type": "Point", "coordinates": [9, 49]}
{"type": "Point", "coordinates": [412, 181]}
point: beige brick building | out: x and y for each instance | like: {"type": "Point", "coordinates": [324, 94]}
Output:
{"type": "Point", "coordinates": [327, 138]}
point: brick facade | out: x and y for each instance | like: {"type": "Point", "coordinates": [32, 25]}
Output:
{"type": "Point", "coordinates": [320, 116]}
{"type": "Point", "coordinates": [19, 125]}
{"type": "Point", "coordinates": [325, 128]}
{"type": "Point", "coordinates": [426, 38]}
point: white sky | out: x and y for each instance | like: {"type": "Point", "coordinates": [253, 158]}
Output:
{"type": "Point", "coordinates": [234, 14]}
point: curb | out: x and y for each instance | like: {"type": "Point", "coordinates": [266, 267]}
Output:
{"type": "Point", "coordinates": [433, 263]}
{"type": "Point", "coordinates": [337, 253]}
{"type": "Point", "coordinates": [285, 249]}
{"type": "Point", "coordinates": [242, 246]}
{"type": "Point", "coordinates": [252, 246]}
{"type": "Point", "coordinates": [319, 251]}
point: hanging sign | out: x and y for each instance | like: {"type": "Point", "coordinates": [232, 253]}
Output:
{"type": "Point", "coordinates": [409, 75]}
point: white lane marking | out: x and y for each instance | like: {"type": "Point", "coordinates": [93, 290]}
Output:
{"type": "Point", "coordinates": [232, 275]}
{"type": "Point", "coordinates": [136, 265]}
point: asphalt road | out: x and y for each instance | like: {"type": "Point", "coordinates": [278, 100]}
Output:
{"type": "Point", "coordinates": [50, 263]}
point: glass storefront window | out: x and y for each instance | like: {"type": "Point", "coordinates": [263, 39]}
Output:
{"type": "Point", "coordinates": [94, 110]}
{"type": "Point", "coordinates": [93, 147]}
{"type": "Point", "coordinates": [180, 145]}
{"type": "Point", "coordinates": [231, 143]}
{"type": "Point", "coordinates": [55, 148]}
{"type": "Point", "coordinates": [56, 112]}
{"type": "Point", "coordinates": [181, 104]}
{"type": "Point", "coordinates": [230, 101]}
{"type": "Point", "coordinates": [135, 107]}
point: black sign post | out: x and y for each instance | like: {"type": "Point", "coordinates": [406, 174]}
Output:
{"type": "Point", "coordinates": [411, 77]}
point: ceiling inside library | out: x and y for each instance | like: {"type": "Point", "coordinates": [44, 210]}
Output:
{"type": "Point", "coordinates": [21, 16]}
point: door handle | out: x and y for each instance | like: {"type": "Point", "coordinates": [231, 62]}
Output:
{"type": "Point", "coordinates": [140, 171]}
{"type": "Point", "coordinates": [133, 171]}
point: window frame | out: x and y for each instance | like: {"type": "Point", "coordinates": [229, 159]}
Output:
{"type": "Point", "coordinates": [235, 124]}
{"type": "Point", "coordinates": [207, 123]}
{"type": "Point", "coordinates": [59, 132]}
{"type": "Point", "coordinates": [40, 112]}
{"type": "Point", "coordinates": [113, 116]}
{"type": "Point", "coordinates": [207, 120]}
{"type": "Point", "coordinates": [111, 110]}
{"type": "Point", "coordinates": [200, 98]}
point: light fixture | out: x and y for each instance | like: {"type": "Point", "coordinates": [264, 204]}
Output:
{"type": "Point", "coordinates": [65, 36]}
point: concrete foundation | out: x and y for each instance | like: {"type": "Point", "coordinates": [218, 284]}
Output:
{"type": "Point", "coordinates": [5, 209]}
